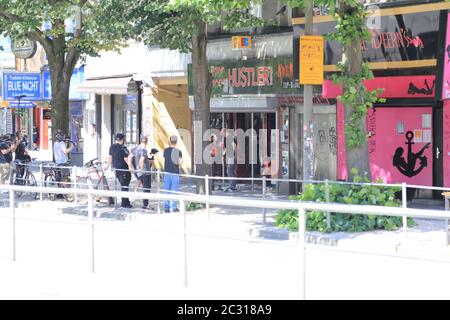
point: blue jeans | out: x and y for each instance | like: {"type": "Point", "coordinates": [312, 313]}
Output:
{"type": "Point", "coordinates": [231, 173]}
{"type": "Point", "coordinates": [171, 183]}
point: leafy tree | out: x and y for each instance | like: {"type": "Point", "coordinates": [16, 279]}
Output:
{"type": "Point", "coordinates": [100, 26]}
{"type": "Point", "coordinates": [182, 25]}
{"type": "Point", "coordinates": [351, 29]}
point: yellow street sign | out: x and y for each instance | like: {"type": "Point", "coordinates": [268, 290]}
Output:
{"type": "Point", "coordinates": [311, 60]}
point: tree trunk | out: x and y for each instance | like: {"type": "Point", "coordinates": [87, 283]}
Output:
{"type": "Point", "coordinates": [202, 82]}
{"type": "Point", "coordinates": [358, 157]}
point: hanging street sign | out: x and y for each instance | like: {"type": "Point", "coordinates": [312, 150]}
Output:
{"type": "Point", "coordinates": [23, 86]}
{"type": "Point", "coordinates": [311, 60]}
{"type": "Point", "coordinates": [24, 48]}
{"type": "Point", "coordinates": [21, 105]}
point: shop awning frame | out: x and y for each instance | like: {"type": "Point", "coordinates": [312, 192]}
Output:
{"type": "Point", "coordinates": [121, 85]}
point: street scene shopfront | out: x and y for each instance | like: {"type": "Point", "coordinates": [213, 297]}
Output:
{"type": "Point", "coordinates": [261, 96]}
{"type": "Point", "coordinates": [405, 132]}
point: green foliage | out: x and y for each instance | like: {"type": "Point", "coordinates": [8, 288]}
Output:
{"type": "Point", "coordinates": [194, 206]}
{"type": "Point", "coordinates": [172, 23]}
{"type": "Point", "coordinates": [347, 194]}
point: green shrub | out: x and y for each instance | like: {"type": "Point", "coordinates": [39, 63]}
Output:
{"type": "Point", "coordinates": [194, 206]}
{"type": "Point", "coordinates": [347, 194]}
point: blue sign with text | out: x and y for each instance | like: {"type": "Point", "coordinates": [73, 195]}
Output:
{"type": "Point", "coordinates": [22, 105]}
{"type": "Point", "coordinates": [22, 86]}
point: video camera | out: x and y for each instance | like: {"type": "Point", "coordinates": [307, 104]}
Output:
{"type": "Point", "coordinates": [153, 152]}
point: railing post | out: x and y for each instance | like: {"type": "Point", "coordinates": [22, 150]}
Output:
{"type": "Point", "coordinates": [158, 187]}
{"type": "Point", "coordinates": [74, 173]}
{"type": "Point", "coordinates": [41, 181]}
{"type": "Point", "coordinates": [185, 247]}
{"type": "Point", "coordinates": [207, 193]}
{"type": "Point", "coordinates": [12, 207]}
{"type": "Point", "coordinates": [404, 206]}
{"type": "Point", "coordinates": [91, 224]}
{"type": "Point", "coordinates": [327, 199]}
{"type": "Point", "coordinates": [264, 197]}
{"type": "Point", "coordinates": [116, 200]}
{"type": "Point", "coordinates": [301, 242]}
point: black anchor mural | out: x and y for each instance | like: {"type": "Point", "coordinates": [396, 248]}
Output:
{"type": "Point", "coordinates": [408, 167]}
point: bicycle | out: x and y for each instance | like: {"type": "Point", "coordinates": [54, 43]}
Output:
{"type": "Point", "coordinates": [55, 177]}
{"type": "Point", "coordinates": [95, 179]}
{"type": "Point", "coordinates": [21, 175]}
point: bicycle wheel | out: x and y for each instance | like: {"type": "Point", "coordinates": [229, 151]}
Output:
{"type": "Point", "coordinates": [103, 185]}
{"type": "Point", "coordinates": [68, 184]}
{"type": "Point", "coordinates": [31, 182]}
{"type": "Point", "coordinates": [50, 182]}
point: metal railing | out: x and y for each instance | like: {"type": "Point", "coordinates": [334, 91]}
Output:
{"type": "Point", "coordinates": [77, 172]}
{"type": "Point", "coordinates": [301, 207]}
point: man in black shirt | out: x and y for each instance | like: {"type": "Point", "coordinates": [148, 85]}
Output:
{"type": "Point", "coordinates": [118, 157]}
{"type": "Point", "coordinates": [172, 162]}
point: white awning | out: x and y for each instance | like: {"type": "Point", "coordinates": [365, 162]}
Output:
{"type": "Point", "coordinates": [105, 86]}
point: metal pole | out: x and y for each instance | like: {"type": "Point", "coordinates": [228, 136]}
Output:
{"type": "Point", "coordinates": [301, 242]}
{"type": "Point", "coordinates": [75, 182]}
{"type": "Point", "coordinates": [41, 181]}
{"type": "Point", "coordinates": [158, 187]}
{"type": "Point", "coordinates": [327, 199]}
{"type": "Point", "coordinates": [264, 197]}
{"type": "Point", "coordinates": [91, 224]}
{"type": "Point", "coordinates": [404, 205]}
{"type": "Point", "coordinates": [115, 189]}
{"type": "Point", "coordinates": [207, 193]}
{"type": "Point", "coordinates": [446, 221]}
{"type": "Point", "coordinates": [253, 155]}
{"type": "Point", "coordinates": [12, 207]}
{"type": "Point", "coordinates": [183, 212]}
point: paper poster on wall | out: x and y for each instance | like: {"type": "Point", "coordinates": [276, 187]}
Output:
{"type": "Point", "coordinates": [426, 121]}
{"type": "Point", "coordinates": [418, 136]}
{"type": "Point", "coordinates": [427, 136]}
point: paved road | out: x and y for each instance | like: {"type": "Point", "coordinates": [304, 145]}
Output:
{"type": "Point", "coordinates": [142, 257]}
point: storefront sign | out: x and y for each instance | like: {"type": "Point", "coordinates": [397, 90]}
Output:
{"type": "Point", "coordinates": [311, 60]}
{"type": "Point", "coordinates": [268, 76]}
{"type": "Point", "coordinates": [403, 37]}
{"type": "Point", "coordinates": [22, 86]}
{"type": "Point", "coordinates": [394, 87]}
{"type": "Point", "coordinates": [241, 42]}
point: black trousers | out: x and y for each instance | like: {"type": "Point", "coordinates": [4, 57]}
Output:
{"type": "Point", "coordinates": [124, 178]}
{"type": "Point", "coordinates": [146, 180]}
{"type": "Point", "coordinates": [216, 172]}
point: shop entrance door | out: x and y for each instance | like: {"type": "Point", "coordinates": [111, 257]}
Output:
{"type": "Point", "coordinates": [401, 144]}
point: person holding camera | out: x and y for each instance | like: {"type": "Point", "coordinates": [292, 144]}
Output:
{"type": "Point", "coordinates": [143, 164]}
{"type": "Point", "coordinates": [61, 154]}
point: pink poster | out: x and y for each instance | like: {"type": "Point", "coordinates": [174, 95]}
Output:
{"type": "Point", "coordinates": [446, 83]}
{"type": "Point", "coordinates": [446, 150]}
{"type": "Point", "coordinates": [400, 147]}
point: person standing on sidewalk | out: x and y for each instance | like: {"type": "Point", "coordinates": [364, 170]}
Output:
{"type": "Point", "coordinates": [143, 165]}
{"type": "Point", "coordinates": [216, 155]}
{"type": "Point", "coordinates": [172, 162]}
{"type": "Point", "coordinates": [118, 157]}
{"type": "Point", "coordinates": [4, 165]}
{"type": "Point", "coordinates": [230, 155]}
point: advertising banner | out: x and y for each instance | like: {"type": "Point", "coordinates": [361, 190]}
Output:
{"type": "Point", "coordinates": [22, 86]}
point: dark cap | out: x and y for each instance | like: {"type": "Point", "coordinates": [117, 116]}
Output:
{"type": "Point", "coordinates": [120, 137]}
{"type": "Point", "coordinates": [144, 138]}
